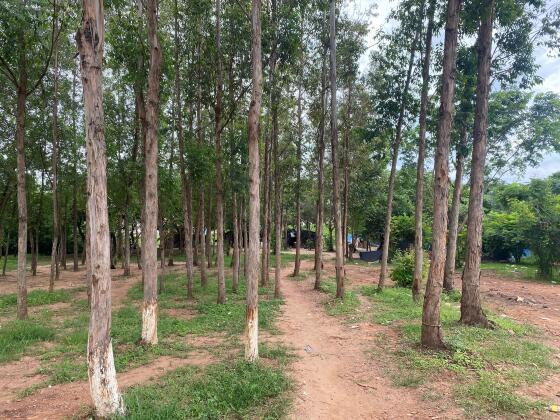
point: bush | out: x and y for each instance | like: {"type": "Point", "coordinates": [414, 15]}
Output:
{"type": "Point", "coordinates": [403, 268]}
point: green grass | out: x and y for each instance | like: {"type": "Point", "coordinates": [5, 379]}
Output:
{"type": "Point", "coordinates": [347, 306]}
{"type": "Point", "coordinates": [490, 365]}
{"type": "Point", "coordinates": [226, 390]}
{"type": "Point", "coordinates": [37, 298]}
{"type": "Point", "coordinates": [16, 336]}
{"type": "Point", "coordinates": [11, 263]}
{"type": "Point", "coordinates": [522, 271]}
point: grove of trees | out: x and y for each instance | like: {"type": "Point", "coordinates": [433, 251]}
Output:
{"type": "Point", "coordinates": [216, 127]}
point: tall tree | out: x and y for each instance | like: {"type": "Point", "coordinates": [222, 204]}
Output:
{"type": "Point", "coordinates": [471, 307]}
{"type": "Point", "coordinates": [339, 262]}
{"type": "Point", "coordinates": [26, 75]}
{"type": "Point", "coordinates": [186, 193]}
{"type": "Point", "coordinates": [252, 316]}
{"type": "Point", "coordinates": [149, 267]}
{"type": "Point", "coordinates": [431, 328]}
{"type": "Point", "coordinates": [105, 395]}
{"type": "Point", "coordinates": [394, 158]}
{"type": "Point", "coordinates": [219, 176]}
{"type": "Point", "coordinates": [55, 255]}
{"type": "Point", "coordinates": [418, 248]}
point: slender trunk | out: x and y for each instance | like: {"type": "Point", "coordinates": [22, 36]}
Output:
{"type": "Point", "coordinates": [346, 159]}
{"type": "Point", "coordinates": [186, 193]}
{"type": "Point", "coordinates": [252, 314]}
{"type": "Point", "coordinates": [418, 249]}
{"type": "Point", "coordinates": [297, 262]}
{"type": "Point", "coordinates": [274, 104]}
{"type": "Point", "coordinates": [235, 258]}
{"type": "Point", "coordinates": [162, 242]}
{"type": "Point", "coordinates": [201, 238]}
{"type": "Point", "coordinates": [219, 177]}
{"type": "Point", "coordinates": [105, 395]}
{"type": "Point", "coordinates": [471, 307]}
{"type": "Point", "coordinates": [451, 251]}
{"type": "Point", "coordinates": [266, 218]}
{"type": "Point", "coordinates": [56, 216]}
{"type": "Point", "coordinates": [339, 262]}
{"type": "Point", "coordinates": [21, 199]}
{"type": "Point", "coordinates": [394, 159]}
{"type": "Point", "coordinates": [245, 234]}
{"type": "Point", "coordinates": [6, 249]}
{"type": "Point", "coordinates": [34, 250]}
{"type": "Point", "coordinates": [320, 179]}
{"type": "Point", "coordinates": [431, 329]}
{"type": "Point", "coordinates": [149, 266]}
{"type": "Point", "coordinates": [209, 246]}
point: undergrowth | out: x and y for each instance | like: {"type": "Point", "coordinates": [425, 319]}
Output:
{"type": "Point", "coordinates": [489, 366]}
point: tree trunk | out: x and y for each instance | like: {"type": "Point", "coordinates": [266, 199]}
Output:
{"type": "Point", "coordinates": [186, 193]}
{"type": "Point", "coordinates": [266, 213]}
{"type": "Point", "coordinates": [346, 159]}
{"type": "Point", "coordinates": [471, 308]}
{"type": "Point", "coordinates": [162, 244]}
{"type": "Point", "coordinates": [297, 261]}
{"type": "Point", "coordinates": [209, 247]}
{"type": "Point", "coordinates": [105, 395]}
{"type": "Point", "coordinates": [394, 159]}
{"type": "Point", "coordinates": [6, 250]}
{"type": "Point", "coordinates": [201, 238]}
{"type": "Point", "coordinates": [149, 265]}
{"type": "Point", "coordinates": [55, 256]}
{"type": "Point", "coordinates": [21, 198]}
{"type": "Point", "coordinates": [452, 235]}
{"type": "Point", "coordinates": [320, 179]}
{"type": "Point", "coordinates": [219, 177]}
{"type": "Point", "coordinates": [431, 328]}
{"type": "Point", "coordinates": [235, 257]}
{"type": "Point", "coordinates": [252, 314]}
{"type": "Point", "coordinates": [245, 235]}
{"type": "Point", "coordinates": [418, 240]}
{"type": "Point", "coordinates": [339, 262]}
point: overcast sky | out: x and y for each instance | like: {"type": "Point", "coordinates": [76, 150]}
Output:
{"type": "Point", "coordinates": [549, 71]}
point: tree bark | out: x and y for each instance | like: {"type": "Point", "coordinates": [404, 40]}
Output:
{"type": "Point", "coordinates": [186, 193]}
{"type": "Point", "coordinates": [471, 308]}
{"type": "Point", "coordinates": [252, 313]}
{"type": "Point", "coordinates": [265, 258]}
{"type": "Point", "coordinates": [21, 198]}
{"type": "Point", "coordinates": [105, 395]}
{"type": "Point", "coordinates": [320, 179]}
{"type": "Point", "coordinates": [55, 257]}
{"type": "Point", "coordinates": [149, 265]}
{"type": "Point", "coordinates": [209, 247]}
{"type": "Point", "coordinates": [346, 159]}
{"type": "Point", "coordinates": [431, 329]}
{"type": "Point", "coordinates": [235, 257]}
{"type": "Point", "coordinates": [219, 177]}
{"type": "Point", "coordinates": [394, 159]}
{"type": "Point", "coordinates": [339, 262]}
{"type": "Point", "coordinates": [299, 141]}
{"type": "Point", "coordinates": [452, 235]}
{"type": "Point", "coordinates": [418, 237]}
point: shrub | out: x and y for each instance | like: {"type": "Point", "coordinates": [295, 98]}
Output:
{"type": "Point", "coordinates": [403, 268]}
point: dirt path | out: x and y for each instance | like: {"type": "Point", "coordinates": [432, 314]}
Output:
{"type": "Point", "coordinates": [335, 377]}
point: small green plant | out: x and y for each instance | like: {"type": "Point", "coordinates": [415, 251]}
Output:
{"type": "Point", "coordinates": [403, 268]}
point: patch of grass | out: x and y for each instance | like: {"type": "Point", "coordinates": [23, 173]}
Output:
{"type": "Point", "coordinates": [16, 336]}
{"type": "Point", "coordinates": [226, 390]}
{"type": "Point", "coordinates": [490, 364]}
{"type": "Point", "coordinates": [346, 306]}
{"type": "Point", "coordinates": [278, 352]}
{"type": "Point", "coordinates": [522, 271]}
{"type": "Point", "coordinates": [486, 397]}
{"type": "Point", "coordinates": [11, 263]}
{"type": "Point", "coordinates": [37, 298]}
